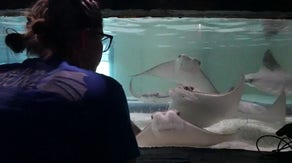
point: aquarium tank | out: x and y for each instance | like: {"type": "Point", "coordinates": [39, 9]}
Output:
{"type": "Point", "coordinates": [250, 57]}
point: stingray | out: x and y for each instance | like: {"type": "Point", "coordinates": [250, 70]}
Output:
{"type": "Point", "coordinates": [204, 109]}
{"type": "Point", "coordinates": [273, 114]}
{"type": "Point", "coordinates": [183, 70]}
{"type": "Point", "coordinates": [271, 78]}
{"type": "Point", "coordinates": [168, 129]}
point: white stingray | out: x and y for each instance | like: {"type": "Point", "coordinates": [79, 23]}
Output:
{"type": "Point", "coordinates": [168, 129]}
{"type": "Point", "coordinates": [205, 109]}
{"type": "Point", "coordinates": [275, 113]}
{"type": "Point", "coordinates": [183, 70]}
{"type": "Point", "coordinates": [271, 78]}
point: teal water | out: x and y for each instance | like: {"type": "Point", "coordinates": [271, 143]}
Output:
{"type": "Point", "coordinates": [227, 48]}
{"type": "Point", "coordinates": [16, 23]}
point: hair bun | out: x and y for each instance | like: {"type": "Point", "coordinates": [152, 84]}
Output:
{"type": "Point", "coordinates": [15, 42]}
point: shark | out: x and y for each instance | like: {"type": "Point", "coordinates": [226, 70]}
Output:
{"type": "Point", "coordinates": [270, 78]}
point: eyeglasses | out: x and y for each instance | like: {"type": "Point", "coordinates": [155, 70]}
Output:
{"type": "Point", "coordinates": [106, 41]}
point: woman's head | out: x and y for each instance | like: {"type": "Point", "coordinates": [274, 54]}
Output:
{"type": "Point", "coordinates": [66, 28]}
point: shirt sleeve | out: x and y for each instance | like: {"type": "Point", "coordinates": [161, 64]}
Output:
{"type": "Point", "coordinates": [123, 145]}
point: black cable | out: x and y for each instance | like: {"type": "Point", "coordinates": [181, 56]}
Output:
{"type": "Point", "coordinates": [11, 29]}
{"type": "Point", "coordinates": [280, 147]}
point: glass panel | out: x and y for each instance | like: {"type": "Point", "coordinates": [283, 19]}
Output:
{"type": "Point", "coordinates": [227, 49]}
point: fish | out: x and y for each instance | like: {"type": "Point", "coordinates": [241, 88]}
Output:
{"type": "Point", "coordinates": [270, 78]}
{"type": "Point", "coordinates": [183, 70]}
{"type": "Point", "coordinates": [275, 113]}
{"type": "Point", "coordinates": [169, 129]}
{"type": "Point", "coordinates": [204, 109]}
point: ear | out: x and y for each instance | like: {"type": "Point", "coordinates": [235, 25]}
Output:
{"type": "Point", "coordinates": [83, 38]}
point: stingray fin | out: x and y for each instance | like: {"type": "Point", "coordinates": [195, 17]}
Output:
{"type": "Point", "coordinates": [163, 70]}
{"type": "Point", "coordinates": [269, 61]}
{"type": "Point", "coordinates": [278, 110]}
{"type": "Point", "coordinates": [132, 91]}
{"type": "Point", "coordinates": [274, 113]}
{"type": "Point", "coordinates": [151, 97]}
{"type": "Point", "coordinates": [205, 109]}
{"type": "Point", "coordinates": [169, 129]}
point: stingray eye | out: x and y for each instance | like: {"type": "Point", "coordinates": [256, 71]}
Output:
{"type": "Point", "coordinates": [191, 88]}
{"type": "Point", "coordinates": [199, 62]}
{"type": "Point", "coordinates": [248, 80]}
{"type": "Point", "coordinates": [178, 113]}
{"type": "Point", "coordinates": [179, 56]}
{"type": "Point", "coordinates": [151, 116]}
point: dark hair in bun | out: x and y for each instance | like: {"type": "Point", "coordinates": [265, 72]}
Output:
{"type": "Point", "coordinates": [52, 25]}
{"type": "Point", "coordinates": [16, 42]}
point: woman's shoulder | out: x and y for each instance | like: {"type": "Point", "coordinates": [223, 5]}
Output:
{"type": "Point", "coordinates": [9, 66]}
{"type": "Point", "coordinates": [89, 76]}
{"type": "Point", "coordinates": [75, 83]}
{"type": "Point", "coordinates": [29, 63]}
{"type": "Point", "coordinates": [61, 78]}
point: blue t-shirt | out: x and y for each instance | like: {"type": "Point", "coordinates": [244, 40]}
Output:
{"type": "Point", "coordinates": [51, 111]}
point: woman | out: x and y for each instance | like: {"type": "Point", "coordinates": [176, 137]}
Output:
{"type": "Point", "coordinates": [59, 108]}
